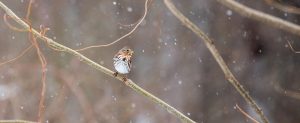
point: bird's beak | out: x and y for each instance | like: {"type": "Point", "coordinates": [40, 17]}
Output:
{"type": "Point", "coordinates": [131, 52]}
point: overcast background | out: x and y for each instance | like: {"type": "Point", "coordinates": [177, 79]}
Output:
{"type": "Point", "coordinates": [170, 62]}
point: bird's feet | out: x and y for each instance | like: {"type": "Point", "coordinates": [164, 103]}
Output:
{"type": "Point", "coordinates": [115, 74]}
{"type": "Point", "coordinates": [125, 80]}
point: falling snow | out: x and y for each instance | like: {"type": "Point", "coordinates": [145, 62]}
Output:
{"type": "Point", "coordinates": [78, 44]}
{"type": "Point", "coordinates": [217, 93]}
{"type": "Point", "coordinates": [129, 9]}
{"type": "Point", "coordinates": [259, 51]}
{"type": "Point", "coordinates": [179, 82]}
{"type": "Point", "coordinates": [114, 98]}
{"type": "Point", "coordinates": [168, 61]}
{"type": "Point", "coordinates": [101, 62]}
{"type": "Point", "coordinates": [133, 105]}
{"type": "Point", "coordinates": [245, 34]}
{"type": "Point", "coordinates": [200, 60]}
{"type": "Point", "coordinates": [229, 12]}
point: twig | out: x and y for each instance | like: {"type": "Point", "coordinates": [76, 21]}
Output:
{"type": "Point", "coordinates": [288, 93]}
{"type": "Point", "coordinates": [16, 121]}
{"type": "Point", "coordinates": [29, 9]}
{"type": "Point", "coordinates": [95, 65]}
{"type": "Point", "coordinates": [11, 26]}
{"type": "Point", "coordinates": [210, 45]}
{"type": "Point", "coordinates": [124, 36]}
{"type": "Point", "coordinates": [42, 59]}
{"type": "Point", "coordinates": [244, 113]}
{"type": "Point", "coordinates": [20, 55]}
{"type": "Point", "coordinates": [292, 47]}
{"type": "Point", "coordinates": [262, 17]}
{"type": "Point", "coordinates": [283, 7]}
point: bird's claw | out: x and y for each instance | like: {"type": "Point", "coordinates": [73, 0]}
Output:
{"type": "Point", "coordinates": [115, 74]}
{"type": "Point", "coordinates": [125, 80]}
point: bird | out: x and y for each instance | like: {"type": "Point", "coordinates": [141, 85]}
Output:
{"type": "Point", "coordinates": [122, 61]}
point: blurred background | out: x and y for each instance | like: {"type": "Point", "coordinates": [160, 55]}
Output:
{"type": "Point", "coordinates": [170, 62]}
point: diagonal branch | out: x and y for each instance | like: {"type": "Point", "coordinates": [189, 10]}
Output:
{"type": "Point", "coordinates": [17, 57]}
{"type": "Point", "coordinates": [246, 114]}
{"type": "Point", "coordinates": [124, 36]}
{"type": "Point", "coordinates": [16, 121]}
{"type": "Point", "coordinates": [283, 7]}
{"type": "Point", "coordinates": [95, 65]}
{"type": "Point", "coordinates": [290, 45]}
{"type": "Point", "coordinates": [261, 17]}
{"type": "Point", "coordinates": [210, 45]}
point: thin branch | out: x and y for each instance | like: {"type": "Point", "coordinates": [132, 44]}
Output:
{"type": "Point", "coordinates": [20, 55]}
{"type": "Point", "coordinates": [210, 45]}
{"type": "Point", "coordinates": [292, 47]}
{"type": "Point", "coordinates": [29, 9]}
{"type": "Point", "coordinates": [283, 7]}
{"type": "Point", "coordinates": [43, 61]}
{"type": "Point", "coordinates": [33, 40]}
{"type": "Point", "coordinates": [95, 65]}
{"type": "Point", "coordinates": [16, 121]}
{"type": "Point", "coordinates": [246, 114]}
{"type": "Point", "coordinates": [124, 36]}
{"type": "Point", "coordinates": [288, 93]}
{"type": "Point", "coordinates": [11, 26]}
{"type": "Point", "coordinates": [262, 17]}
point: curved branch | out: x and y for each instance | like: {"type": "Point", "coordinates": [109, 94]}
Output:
{"type": "Point", "coordinates": [262, 17]}
{"type": "Point", "coordinates": [16, 121]}
{"type": "Point", "coordinates": [290, 45]}
{"type": "Point", "coordinates": [95, 65]}
{"type": "Point", "coordinates": [244, 113]}
{"type": "Point", "coordinates": [17, 57]}
{"type": "Point", "coordinates": [210, 45]}
{"type": "Point", "coordinates": [124, 36]}
{"type": "Point", "coordinates": [283, 7]}
{"type": "Point", "coordinates": [288, 93]}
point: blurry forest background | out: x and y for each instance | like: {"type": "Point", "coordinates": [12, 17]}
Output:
{"type": "Point", "coordinates": [170, 61]}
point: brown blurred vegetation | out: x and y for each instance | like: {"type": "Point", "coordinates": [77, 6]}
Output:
{"type": "Point", "coordinates": [169, 61]}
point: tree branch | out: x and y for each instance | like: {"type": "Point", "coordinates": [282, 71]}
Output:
{"type": "Point", "coordinates": [262, 17]}
{"type": "Point", "coordinates": [16, 121]}
{"type": "Point", "coordinates": [283, 7]}
{"type": "Point", "coordinates": [95, 65]}
{"type": "Point", "coordinates": [210, 45]}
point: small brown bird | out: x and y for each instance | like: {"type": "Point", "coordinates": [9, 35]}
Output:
{"type": "Point", "coordinates": [122, 61]}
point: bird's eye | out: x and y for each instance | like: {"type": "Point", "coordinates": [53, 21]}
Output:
{"type": "Point", "coordinates": [127, 50]}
